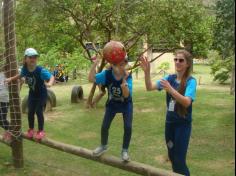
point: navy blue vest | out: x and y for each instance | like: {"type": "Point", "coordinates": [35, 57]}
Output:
{"type": "Point", "coordinates": [37, 88]}
{"type": "Point", "coordinates": [174, 117]}
{"type": "Point", "coordinates": [115, 94]}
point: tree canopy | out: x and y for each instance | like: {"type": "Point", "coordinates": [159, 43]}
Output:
{"type": "Point", "coordinates": [224, 41]}
{"type": "Point", "coordinates": [66, 26]}
{"type": "Point", "coordinates": [224, 28]}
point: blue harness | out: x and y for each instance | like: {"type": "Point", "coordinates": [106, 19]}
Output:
{"type": "Point", "coordinates": [174, 116]}
{"type": "Point", "coordinates": [115, 94]}
{"type": "Point", "coordinates": [35, 83]}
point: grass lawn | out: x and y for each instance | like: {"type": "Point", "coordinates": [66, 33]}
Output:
{"type": "Point", "coordinates": [211, 151]}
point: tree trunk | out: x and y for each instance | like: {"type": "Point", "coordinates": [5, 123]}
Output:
{"type": "Point", "coordinates": [90, 103]}
{"type": "Point", "coordinates": [93, 89]}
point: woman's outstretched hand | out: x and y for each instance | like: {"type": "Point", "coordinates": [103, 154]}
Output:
{"type": "Point", "coordinates": [145, 64]}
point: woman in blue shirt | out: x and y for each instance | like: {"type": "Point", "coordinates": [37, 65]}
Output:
{"type": "Point", "coordinates": [180, 93]}
{"type": "Point", "coordinates": [37, 78]}
{"type": "Point", "coordinates": [119, 85]}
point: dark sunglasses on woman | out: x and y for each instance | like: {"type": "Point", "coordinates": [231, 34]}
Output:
{"type": "Point", "coordinates": [179, 60]}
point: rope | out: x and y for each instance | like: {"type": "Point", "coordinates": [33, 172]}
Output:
{"type": "Point", "coordinates": [9, 94]}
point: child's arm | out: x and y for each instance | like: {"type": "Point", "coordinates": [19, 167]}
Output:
{"type": "Point", "coordinates": [146, 68]}
{"type": "Point", "coordinates": [92, 73]}
{"type": "Point", "coordinates": [127, 85]}
{"type": "Point", "coordinates": [125, 88]}
{"type": "Point", "coordinates": [9, 80]}
{"type": "Point", "coordinates": [47, 77]}
{"type": "Point", "coordinates": [50, 82]}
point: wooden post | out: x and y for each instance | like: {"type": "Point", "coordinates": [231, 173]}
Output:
{"type": "Point", "coordinates": [199, 80]}
{"type": "Point", "coordinates": [93, 89]}
{"type": "Point", "coordinates": [11, 64]}
{"type": "Point", "coordinates": [132, 166]}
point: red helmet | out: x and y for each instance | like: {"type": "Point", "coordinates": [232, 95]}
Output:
{"type": "Point", "coordinates": [114, 52]}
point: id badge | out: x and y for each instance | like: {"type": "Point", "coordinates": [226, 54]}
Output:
{"type": "Point", "coordinates": [172, 105]}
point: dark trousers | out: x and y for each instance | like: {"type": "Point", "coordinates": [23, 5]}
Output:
{"type": "Point", "coordinates": [4, 123]}
{"type": "Point", "coordinates": [177, 141]}
{"type": "Point", "coordinates": [36, 105]}
{"type": "Point", "coordinates": [66, 78]}
{"type": "Point", "coordinates": [111, 111]}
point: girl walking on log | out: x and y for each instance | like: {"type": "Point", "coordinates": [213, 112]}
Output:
{"type": "Point", "coordinates": [37, 78]}
{"type": "Point", "coordinates": [119, 85]}
{"type": "Point", "coordinates": [180, 93]}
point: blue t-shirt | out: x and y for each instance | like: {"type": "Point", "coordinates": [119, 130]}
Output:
{"type": "Point", "coordinates": [115, 95]}
{"type": "Point", "coordinates": [190, 91]}
{"type": "Point", "coordinates": [35, 81]}
{"type": "Point", "coordinates": [191, 86]}
{"type": "Point", "coordinates": [100, 78]}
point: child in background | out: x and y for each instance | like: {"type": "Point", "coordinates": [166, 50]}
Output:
{"type": "Point", "coordinates": [119, 85]}
{"type": "Point", "coordinates": [4, 103]}
{"type": "Point", "coordinates": [37, 79]}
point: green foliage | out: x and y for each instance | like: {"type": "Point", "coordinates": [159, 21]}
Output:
{"type": "Point", "coordinates": [76, 60]}
{"type": "Point", "coordinates": [220, 68]}
{"type": "Point", "coordinates": [224, 28]}
{"type": "Point", "coordinates": [33, 29]}
{"type": "Point", "coordinates": [224, 40]}
{"type": "Point", "coordinates": [70, 60]}
{"type": "Point", "coordinates": [164, 66]}
{"type": "Point", "coordinates": [182, 21]}
{"type": "Point", "coordinates": [65, 26]}
{"type": "Point", "coordinates": [51, 58]}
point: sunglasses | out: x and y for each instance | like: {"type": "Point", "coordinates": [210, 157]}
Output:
{"type": "Point", "coordinates": [179, 60]}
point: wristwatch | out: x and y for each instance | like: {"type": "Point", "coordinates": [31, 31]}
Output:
{"type": "Point", "coordinates": [126, 84]}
